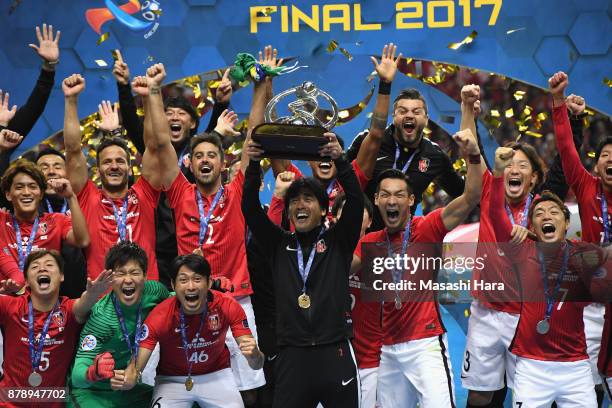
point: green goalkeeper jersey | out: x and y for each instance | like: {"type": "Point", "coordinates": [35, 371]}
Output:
{"type": "Point", "coordinates": [102, 332]}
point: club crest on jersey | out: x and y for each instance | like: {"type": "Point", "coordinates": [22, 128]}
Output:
{"type": "Point", "coordinates": [214, 323]}
{"type": "Point", "coordinates": [43, 228]}
{"type": "Point", "coordinates": [59, 320]}
{"type": "Point", "coordinates": [144, 333]}
{"type": "Point", "coordinates": [133, 199]}
{"type": "Point", "coordinates": [89, 342]}
{"type": "Point", "coordinates": [321, 247]}
{"type": "Point", "coordinates": [423, 165]}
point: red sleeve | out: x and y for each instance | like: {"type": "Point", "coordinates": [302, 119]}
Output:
{"type": "Point", "coordinates": [6, 303]}
{"type": "Point", "coordinates": [153, 324]}
{"type": "Point", "coordinates": [275, 212]}
{"type": "Point", "coordinates": [574, 171]}
{"type": "Point", "coordinates": [64, 223]}
{"type": "Point", "coordinates": [501, 224]}
{"type": "Point", "coordinates": [432, 227]}
{"type": "Point", "coordinates": [68, 304]}
{"type": "Point", "coordinates": [9, 269]}
{"type": "Point", "coordinates": [177, 189]}
{"type": "Point", "coordinates": [143, 188]}
{"type": "Point", "coordinates": [292, 168]}
{"type": "Point", "coordinates": [237, 185]}
{"type": "Point", "coordinates": [363, 180]}
{"type": "Point", "coordinates": [237, 318]}
{"type": "Point", "coordinates": [88, 193]}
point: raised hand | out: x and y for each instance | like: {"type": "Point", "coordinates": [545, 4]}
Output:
{"type": "Point", "coordinates": [470, 94]}
{"type": "Point", "coordinates": [477, 108]}
{"type": "Point", "coordinates": [61, 186]}
{"type": "Point", "coordinates": [121, 71]}
{"type": "Point", "coordinates": [467, 142]}
{"type": "Point", "coordinates": [102, 368]}
{"type": "Point", "coordinates": [254, 151]}
{"type": "Point", "coordinates": [557, 84]}
{"type": "Point", "coordinates": [224, 90]}
{"type": "Point", "coordinates": [503, 159]}
{"type": "Point", "coordinates": [155, 75]}
{"type": "Point", "coordinates": [140, 86]}
{"type": "Point", "coordinates": [519, 234]}
{"type": "Point", "coordinates": [575, 104]}
{"type": "Point", "coordinates": [109, 116]}
{"type": "Point", "coordinates": [73, 85]}
{"type": "Point", "coordinates": [9, 286]}
{"type": "Point", "coordinates": [9, 140]}
{"type": "Point", "coordinates": [269, 57]}
{"type": "Point", "coordinates": [387, 67]}
{"type": "Point", "coordinates": [283, 181]}
{"type": "Point", "coordinates": [332, 148]}
{"type": "Point", "coordinates": [226, 123]}
{"type": "Point", "coordinates": [47, 48]}
{"type": "Point", "coordinates": [222, 284]}
{"type": "Point", "coordinates": [101, 284]}
{"type": "Point", "coordinates": [6, 114]}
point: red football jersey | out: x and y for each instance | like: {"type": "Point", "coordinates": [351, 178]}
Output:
{"type": "Point", "coordinates": [604, 362]}
{"type": "Point", "coordinates": [100, 217]}
{"type": "Point", "coordinates": [52, 230]}
{"type": "Point", "coordinates": [224, 243]}
{"type": "Point", "coordinates": [498, 269]}
{"type": "Point", "coordinates": [58, 351]}
{"type": "Point", "coordinates": [585, 186]}
{"type": "Point", "coordinates": [420, 319]}
{"type": "Point", "coordinates": [367, 327]}
{"type": "Point", "coordinates": [207, 348]}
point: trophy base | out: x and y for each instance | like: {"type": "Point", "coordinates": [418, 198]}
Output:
{"type": "Point", "coordinates": [290, 142]}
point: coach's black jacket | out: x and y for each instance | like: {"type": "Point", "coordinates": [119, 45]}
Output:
{"type": "Point", "coordinates": [328, 319]}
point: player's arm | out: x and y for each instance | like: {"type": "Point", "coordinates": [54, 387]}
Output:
{"type": "Point", "coordinates": [355, 264]}
{"type": "Point", "coordinates": [94, 290]}
{"type": "Point", "coordinates": [256, 116]}
{"type": "Point", "coordinates": [470, 97]}
{"type": "Point", "coordinates": [386, 70]}
{"type": "Point", "coordinates": [127, 379]}
{"type": "Point", "coordinates": [92, 363]}
{"type": "Point", "coordinates": [76, 164]}
{"type": "Point", "coordinates": [458, 209]}
{"type": "Point", "coordinates": [249, 349]}
{"type": "Point", "coordinates": [497, 206]}
{"type": "Point", "coordinates": [159, 163]}
{"type": "Point", "coordinates": [78, 235]}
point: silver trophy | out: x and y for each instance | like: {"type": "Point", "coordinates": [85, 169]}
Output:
{"type": "Point", "coordinates": [299, 135]}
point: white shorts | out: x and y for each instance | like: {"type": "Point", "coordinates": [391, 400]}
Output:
{"type": "Point", "coordinates": [246, 378]}
{"type": "Point", "coordinates": [212, 390]}
{"type": "Point", "coordinates": [538, 383]}
{"type": "Point", "coordinates": [593, 318]}
{"type": "Point", "coordinates": [150, 370]}
{"type": "Point", "coordinates": [487, 357]}
{"type": "Point", "coordinates": [416, 371]}
{"type": "Point", "coordinates": [369, 378]}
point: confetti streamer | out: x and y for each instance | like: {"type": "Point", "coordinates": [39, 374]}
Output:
{"type": "Point", "coordinates": [467, 40]}
{"type": "Point", "coordinates": [591, 155]}
{"type": "Point", "coordinates": [514, 30]}
{"type": "Point", "coordinates": [533, 134]}
{"type": "Point", "coordinates": [333, 46]}
{"type": "Point", "coordinates": [101, 63]}
{"type": "Point", "coordinates": [103, 37]}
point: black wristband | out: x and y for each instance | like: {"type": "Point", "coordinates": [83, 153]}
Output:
{"type": "Point", "coordinates": [115, 132]}
{"type": "Point", "coordinates": [384, 88]}
{"type": "Point", "coordinates": [474, 158]}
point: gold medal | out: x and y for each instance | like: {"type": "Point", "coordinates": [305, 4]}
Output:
{"type": "Point", "coordinates": [304, 301]}
{"type": "Point", "coordinates": [189, 384]}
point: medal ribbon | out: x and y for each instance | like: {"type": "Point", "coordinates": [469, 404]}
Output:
{"type": "Point", "coordinates": [184, 334]}
{"type": "Point", "coordinates": [604, 215]}
{"type": "Point", "coordinates": [20, 253]}
{"type": "Point", "coordinates": [331, 186]}
{"type": "Point", "coordinates": [397, 155]}
{"type": "Point", "coordinates": [50, 209]}
{"type": "Point", "coordinates": [205, 219]}
{"type": "Point", "coordinates": [395, 273]}
{"type": "Point", "coordinates": [137, 332]}
{"type": "Point", "coordinates": [121, 220]}
{"type": "Point", "coordinates": [550, 297]}
{"type": "Point", "coordinates": [36, 354]}
{"type": "Point", "coordinates": [305, 270]}
{"type": "Point", "coordinates": [525, 211]}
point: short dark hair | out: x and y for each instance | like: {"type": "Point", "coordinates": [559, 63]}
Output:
{"type": "Point", "coordinates": [183, 103]}
{"type": "Point", "coordinates": [26, 167]}
{"type": "Point", "coordinates": [393, 174]}
{"type": "Point", "coordinates": [534, 159]}
{"type": "Point", "coordinates": [310, 185]}
{"type": "Point", "coordinates": [34, 255]}
{"type": "Point", "coordinates": [207, 138]}
{"type": "Point", "coordinates": [196, 263]}
{"type": "Point", "coordinates": [46, 151]}
{"type": "Point", "coordinates": [600, 146]}
{"type": "Point", "coordinates": [549, 196]}
{"type": "Point", "coordinates": [410, 93]}
{"type": "Point", "coordinates": [112, 141]}
{"type": "Point", "coordinates": [122, 253]}
{"type": "Point", "coordinates": [341, 199]}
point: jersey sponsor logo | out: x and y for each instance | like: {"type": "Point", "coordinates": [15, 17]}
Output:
{"type": "Point", "coordinates": [214, 323]}
{"type": "Point", "coordinates": [321, 247]}
{"type": "Point", "coordinates": [288, 248]}
{"type": "Point", "coordinates": [89, 342]}
{"type": "Point", "coordinates": [347, 382]}
{"type": "Point", "coordinates": [423, 165]}
{"type": "Point", "coordinates": [382, 158]}
{"type": "Point", "coordinates": [144, 332]}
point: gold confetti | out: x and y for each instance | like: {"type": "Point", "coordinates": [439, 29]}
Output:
{"type": "Point", "coordinates": [101, 63]}
{"type": "Point", "coordinates": [509, 113]}
{"type": "Point", "coordinates": [466, 312]}
{"type": "Point", "coordinates": [266, 12]}
{"type": "Point", "coordinates": [518, 95]}
{"type": "Point", "coordinates": [542, 116]}
{"type": "Point", "coordinates": [527, 111]}
{"type": "Point", "coordinates": [103, 38]}
{"type": "Point", "coordinates": [157, 12]}
{"type": "Point", "coordinates": [467, 40]}
{"type": "Point", "coordinates": [427, 131]}
{"type": "Point", "coordinates": [495, 113]}
{"type": "Point", "coordinates": [346, 53]}
{"type": "Point", "coordinates": [533, 134]}
{"type": "Point", "coordinates": [492, 122]}
{"type": "Point", "coordinates": [591, 155]}
{"type": "Point", "coordinates": [515, 30]}
{"type": "Point", "coordinates": [608, 82]}
{"type": "Point", "coordinates": [331, 47]}
{"type": "Point", "coordinates": [459, 165]}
